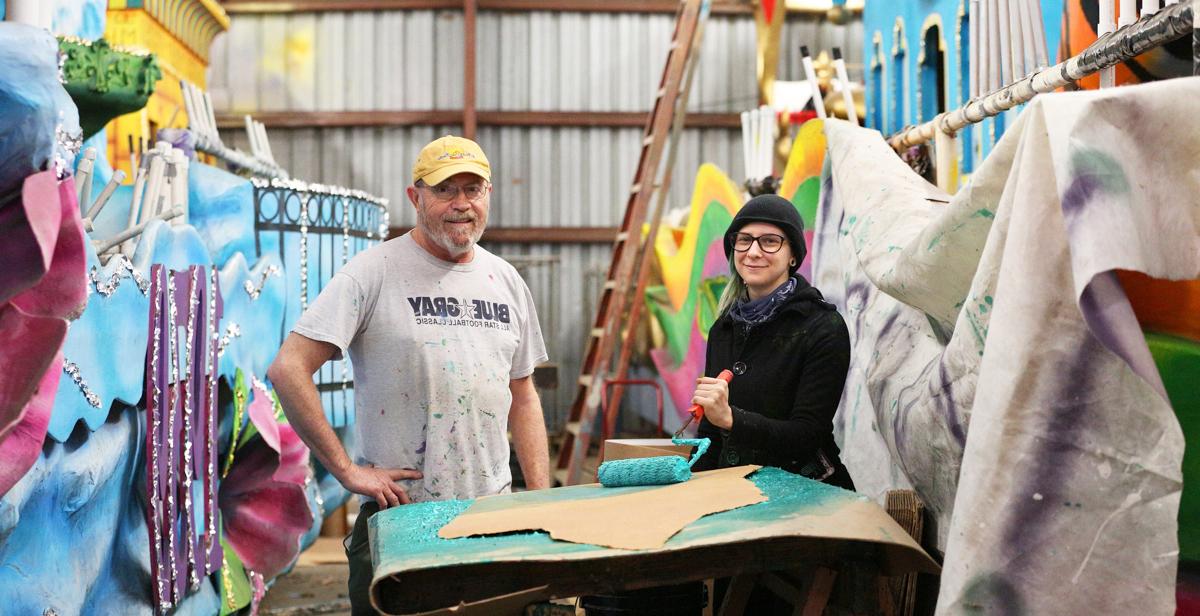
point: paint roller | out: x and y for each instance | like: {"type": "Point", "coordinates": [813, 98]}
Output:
{"type": "Point", "coordinates": [659, 470]}
{"type": "Point", "coordinates": [655, 471]}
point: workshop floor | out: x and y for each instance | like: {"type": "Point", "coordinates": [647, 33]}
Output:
{"type": "Point", "coordinates": [316, 585]}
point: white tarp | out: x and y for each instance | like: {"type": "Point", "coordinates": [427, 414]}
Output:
{"type": "Point", "coordinates": [998, 310]}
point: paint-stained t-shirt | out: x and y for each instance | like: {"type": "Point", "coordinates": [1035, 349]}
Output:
{"type": "Point", "coordinates": [434, 345]}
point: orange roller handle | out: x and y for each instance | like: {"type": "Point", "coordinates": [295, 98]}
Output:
{"type": "Point", "coordinates": [697, 411]}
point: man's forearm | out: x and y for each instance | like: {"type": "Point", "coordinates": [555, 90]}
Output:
{"type": "Point", "coordinates": [302, 405]}
{"type": "Point", "coordinates": [529, 437]}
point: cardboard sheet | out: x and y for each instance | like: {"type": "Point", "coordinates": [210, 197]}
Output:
{"type": "Point", "coordinates": [631, 520]}
{"type": "Point", "coordinates": [625, 448]}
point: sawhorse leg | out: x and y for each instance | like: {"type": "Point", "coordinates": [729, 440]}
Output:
{"type": "Point", "coordinates": [807, 591]}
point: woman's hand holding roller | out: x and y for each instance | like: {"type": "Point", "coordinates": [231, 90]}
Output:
{"type": "Point", "coordinates": [713, 395]}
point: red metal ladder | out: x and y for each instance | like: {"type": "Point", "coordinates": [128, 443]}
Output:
{"type": "Point", "coordinates": [631, 255]}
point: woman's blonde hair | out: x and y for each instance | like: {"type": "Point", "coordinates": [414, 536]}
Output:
{"type": "Point", "coordinates": [735, 290]}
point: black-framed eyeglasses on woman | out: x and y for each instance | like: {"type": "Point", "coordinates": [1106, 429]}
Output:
{"type": "Point", "coordinates": [769, 243]}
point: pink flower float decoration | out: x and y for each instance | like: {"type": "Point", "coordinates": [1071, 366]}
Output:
{"type": "Point", "coordinates": [43, 284]}
{"type": "Point", "coordinates": [262, 498]}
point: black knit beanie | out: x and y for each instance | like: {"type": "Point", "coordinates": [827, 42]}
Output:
{"type": "Point", "coordinates": [777, 211]}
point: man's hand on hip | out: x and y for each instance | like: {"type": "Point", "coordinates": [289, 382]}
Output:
{"type": "Point", "coordinates": [379, 483]}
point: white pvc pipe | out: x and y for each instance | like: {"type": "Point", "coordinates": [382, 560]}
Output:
{"type": "Point", "coordinates": [763, 131]}
{"type": "Point", "coordinates": [1016, 42]}
{"type": "Point", "coordinates": [251, 135]}
{"type": "Point", "coordinates": [996, 71]}
{"type": "Point", "coordinates": [210, 117]}
{"type": "Point", "coordinates": [83, 176]}
{"type": "Point", "coordinates": [1035, 13]}
{"type": "Point", "coordinates": [1128, 13]}
{"type": "Point", "coordinates": [102, 199]}
{"type": "Point", "coordinates": [747, 145]}
{"type": "Point", "coordinates": [266, 143]}
{"type": "Point", "coordinates": [179, 185]}
{"type": "Point", "coordinates": [127, 235]}
{"type": "Point", "coordinates": [1029, 36]}
{"type": "Point", "coordinates": [768, 142]}
{"type": "Point", "coordinates": [1007, 70]}
{"type": "Point", "coordinates": [811, 76]}
{"type": "Point", "coordinates": [154, 185]}
{"type": "Point", "coordinates": [192, 108]}
{"type": "Point", "coordinates": [839, 66]}
{"type": "Point", "coordinates": [1106, 25]}
{"type": "Point", "coordinates": [973, 18]}
{"type": "Point", "coordinates": [1149, 7]}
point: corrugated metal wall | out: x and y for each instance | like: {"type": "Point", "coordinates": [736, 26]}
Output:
{"type": "Point", "coordinates": [529, 61]}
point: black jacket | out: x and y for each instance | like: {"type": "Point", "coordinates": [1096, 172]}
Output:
{"type": "Point", "coordinates": [783, 404]}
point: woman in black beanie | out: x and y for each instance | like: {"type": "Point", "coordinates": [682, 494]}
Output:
{"type": "Point", "coordinates": [788, 349]}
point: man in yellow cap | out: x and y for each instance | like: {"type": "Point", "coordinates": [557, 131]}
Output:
{"type": "Point", "coordinates": [443, 336]}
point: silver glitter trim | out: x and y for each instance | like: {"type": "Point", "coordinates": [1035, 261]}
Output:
{"type": "Point", "coordinates": [172, 434]}
{"type": "Point", "coordinates": [152, 421]}
{"type": "Point", "coordinates": [233, 330]}
{"type": "Point", "coordinates": [333, 191]}
{"type": "Point", "coordinates": [255, 290]}
{"type": "Point", "coordinates": [72, 370]}
{"type": "Point", "coordinates": [303, 253]}
{"type": "Point", "coordinates": [188, 517]}
{"type": "Point", "coordinates": [63, 56]}
{"type": "Point", "coordinates": [69, 143]}
{"type": "Point", "coordinates": [123, 270]}
{"type": "Point", "coordinates": [210, 357]}
{"type": "Point", "coordinates": [345, 259]}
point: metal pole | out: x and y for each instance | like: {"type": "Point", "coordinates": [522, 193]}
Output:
{"type": "Point", "coordinates": [1169, 24]}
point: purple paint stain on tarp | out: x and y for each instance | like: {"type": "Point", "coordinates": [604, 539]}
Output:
{"type": "Point", "coordinates": [1111, 319]}
{"type": "Point", "coordinates": [1052, 463]}
{"type": "Point", "coordinates": [949, 408]}
{"type": "Point", "coordinates": [1103, 303]}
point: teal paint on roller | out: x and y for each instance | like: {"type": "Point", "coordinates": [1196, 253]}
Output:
{"type": "Point", "coordinates": [659, 470]}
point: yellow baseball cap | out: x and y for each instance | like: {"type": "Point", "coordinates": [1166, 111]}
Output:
{"type": "Point", "coordinates": [447, 156]}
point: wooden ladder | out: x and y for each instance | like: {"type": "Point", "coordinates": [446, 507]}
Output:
{"type": "Point", "coordinates": [630, 254]}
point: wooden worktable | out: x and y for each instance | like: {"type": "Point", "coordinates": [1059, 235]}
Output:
{"type": "Point", "coordinates": [804, 523]}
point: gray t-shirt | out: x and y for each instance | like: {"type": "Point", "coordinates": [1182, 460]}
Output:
{"type": "Point", "coordinates": [434, 345]}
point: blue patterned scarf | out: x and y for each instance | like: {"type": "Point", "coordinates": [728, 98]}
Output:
{"type": "Point", "coordinates": [759, 311]}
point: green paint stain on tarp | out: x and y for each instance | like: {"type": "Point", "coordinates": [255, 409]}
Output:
{"type": "Point", "coordinates": [405, 538]}
{"type": "Point", "coordinates": [1101, 167]}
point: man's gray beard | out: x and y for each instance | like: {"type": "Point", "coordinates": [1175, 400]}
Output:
{"type": "Point", "coordinates": [442, 238]}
